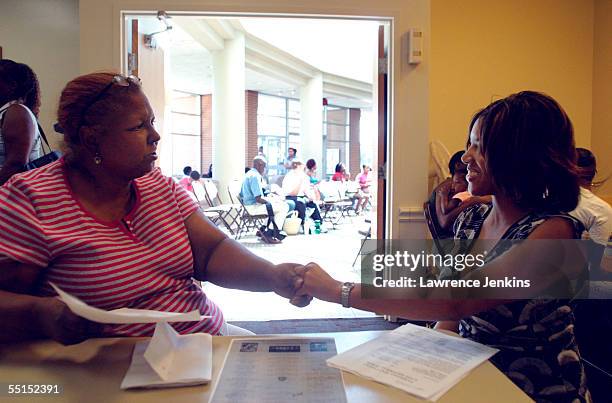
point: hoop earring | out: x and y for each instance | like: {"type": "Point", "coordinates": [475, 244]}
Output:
{"type": "Point", "coordinates": [98, 159]}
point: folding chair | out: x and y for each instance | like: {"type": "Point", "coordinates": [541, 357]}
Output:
{"type": "Point", "coordinates": [366, 233]}
{"type": "Point", "coordinates": [331, 202]}
{"type": "Point", "coordinates": [230, 212]}
{"type": "Point", "coordinates": [214, 214]}
{"type": "Point", "coordinates": [249, 222]}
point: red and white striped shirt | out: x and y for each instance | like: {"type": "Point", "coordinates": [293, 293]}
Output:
{"type": "Point", "coordinates": [143, 261]}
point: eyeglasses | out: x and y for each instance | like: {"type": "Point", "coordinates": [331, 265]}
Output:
{"type": "Point", "coordinates": [120, 81]}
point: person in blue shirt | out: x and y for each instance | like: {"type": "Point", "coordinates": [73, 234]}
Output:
{"type": "Point", "coordinates": [252, 194]}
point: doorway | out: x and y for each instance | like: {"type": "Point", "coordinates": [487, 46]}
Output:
{"type": "Point", "coordinates": [287, 94]}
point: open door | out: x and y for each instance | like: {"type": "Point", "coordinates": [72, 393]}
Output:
{"type": "Point", "coordinates": [381, 194]}
{"type": "Point", "coordinates": [130, 66]}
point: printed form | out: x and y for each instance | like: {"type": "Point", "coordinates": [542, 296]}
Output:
{"type": "Point", "coordinates": [421, 361]}
{"type": "Point", "coordinates": [279, 370]}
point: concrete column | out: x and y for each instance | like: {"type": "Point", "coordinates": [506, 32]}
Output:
{"type": "Point", "coordinates": [311, 120]}
{"type": "Point", "coordinates": [228, 113]}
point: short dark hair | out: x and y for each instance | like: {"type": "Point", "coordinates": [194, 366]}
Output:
{"type": "Point", "coordinates": [294, 150]}
{"type": "Point", "coordinates": [187, 170]}
{"type": "Point", "coordinates": [456, 161]}
{"type": "Point", "coordinates": [528, 143]}
{"type": "Point", "coordinates": [25, 81]}
{"type": "Point", "coordinates": [587, 165]}
{"type": "Point", "coordinates": [339, 167]}
{"type": "Point", "coordinates": [310, 163]}
{"type": "Point", "coordinates": [195, 175]}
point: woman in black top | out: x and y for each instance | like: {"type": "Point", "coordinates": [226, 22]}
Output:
{"type": "Point", "coordinates": [521, 151]}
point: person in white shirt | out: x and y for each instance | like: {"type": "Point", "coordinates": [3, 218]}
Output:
{"type": "Point", "coordinates": [296, 186]}
{"type": "Point", "coordinates": [594, 213]}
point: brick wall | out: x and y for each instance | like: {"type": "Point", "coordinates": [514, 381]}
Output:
{"type": "Point", "coordinates": [354, 146]}
{"type": "Point", "coordinates": [250, 125]}
{"type": "Point", "coordinates": [250, 117]}
{"type": "Point", "coordinates": [206, 127]}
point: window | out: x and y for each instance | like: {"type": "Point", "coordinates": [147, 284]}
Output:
{"type": "Point", "coordinates": [278, 127]}
{"type": "Point", "coordinates": [185, 131]}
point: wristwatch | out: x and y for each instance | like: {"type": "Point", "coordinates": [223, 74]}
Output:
{"type": "Point", "coordinates": [346, 293]}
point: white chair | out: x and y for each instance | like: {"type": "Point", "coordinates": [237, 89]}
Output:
{"type": "Point", "coordinates": [215, 214]}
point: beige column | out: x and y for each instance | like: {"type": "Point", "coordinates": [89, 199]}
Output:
{"type": "Point", "coordinates": [228, 128]}
{"type": "Point", "coordinates": [311, 120]}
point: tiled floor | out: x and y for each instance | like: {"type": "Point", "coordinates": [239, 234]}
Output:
{"type": "Point", "coordinates": [334, 251]}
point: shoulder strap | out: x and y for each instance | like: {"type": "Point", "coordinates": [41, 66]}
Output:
{"type": "Point", "coordinates": [42, 135]}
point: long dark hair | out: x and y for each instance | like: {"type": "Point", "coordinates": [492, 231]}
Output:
{"type": "Point", "coordinates": [528, 143]}
{"type": "Point", "coordinates": [24, 84]}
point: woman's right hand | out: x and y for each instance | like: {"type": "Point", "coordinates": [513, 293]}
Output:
{"type": "Point", "coordinates": [56, 321]}
{"type": "Point", "coordinates": [319, 284]}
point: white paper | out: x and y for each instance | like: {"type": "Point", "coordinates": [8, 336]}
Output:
{"type": "Point", "coordinates": [420, 361]}
{"type": "Point", "coordinates": [279, 370]}
{"type": "Point", "coordinates": [124, 315]}
{"type": "Point", "coordinates": [170, 359]}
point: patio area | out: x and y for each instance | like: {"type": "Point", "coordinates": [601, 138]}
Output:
{"type": "Point", "coordinates": [335, 251]}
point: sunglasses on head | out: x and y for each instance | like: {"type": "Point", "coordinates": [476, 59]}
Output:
{"type": "Point", "coordinates": [119, 80]}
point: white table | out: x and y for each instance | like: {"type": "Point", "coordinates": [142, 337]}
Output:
{"type": "Point", "coordinates": [92, 372]}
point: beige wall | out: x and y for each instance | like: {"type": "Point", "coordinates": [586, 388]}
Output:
{"type": "Point", "coordinates": [483, 50]}
{"type": "Point", "coordinates": [601, 141]}
{"type": "Point", "coordinates": [100, 48]}
{"type": "Point", "coordinates": [43, 34]}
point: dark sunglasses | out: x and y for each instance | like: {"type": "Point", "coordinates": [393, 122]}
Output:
{"type": "Point", "coordinates": [118, 80]}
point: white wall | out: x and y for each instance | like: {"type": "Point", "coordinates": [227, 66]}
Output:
{"type": "Point", "coordinates": [43, 34]}
{"type": "Point", "coordinates": [101, 48]}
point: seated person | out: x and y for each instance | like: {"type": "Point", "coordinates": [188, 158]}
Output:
{"type": "Point", "coordinates": [363, 196]}
{"type": "Point", "coordinates": [339, 173]}
{"type": "Point", "coordinates": [535, 337]}
{"type": "Point", "coordinates": [311, 171]}
{"type": "Point", "coordinates": [185, 180]}
{"type": "Point", "coordinates": [296, 187]}
{"type": "Point", "coordinates": [451, 196]}
{"type": "Point", "coordinates": [113, 231]}
{"type": "Point", "coordinates": [593, 212]}
{"type": "Point", "coordinates": [594, 316]}
{"type": "Point", "coordinates": [252, 194]}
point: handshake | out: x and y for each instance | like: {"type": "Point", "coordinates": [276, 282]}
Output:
{"type": "Point", "coordinates": [300, 284]}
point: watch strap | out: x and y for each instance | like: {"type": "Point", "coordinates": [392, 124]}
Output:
{"type": "Point", "coordinates": [346, 293]}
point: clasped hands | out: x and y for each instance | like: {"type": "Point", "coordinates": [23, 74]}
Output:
{"type": "Point", "coordinates": [300, 284]}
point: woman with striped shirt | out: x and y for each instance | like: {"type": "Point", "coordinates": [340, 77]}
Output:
{"type": "Point", "coordinates": [106, 226]}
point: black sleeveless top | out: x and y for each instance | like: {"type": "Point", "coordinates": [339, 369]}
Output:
{"type": "Point", "coordinates": [538, 349]}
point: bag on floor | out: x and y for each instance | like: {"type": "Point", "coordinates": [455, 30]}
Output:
{"type": "Point", "coordinates": [292, 224]}
{"type": "Point", "coordinates": [271, 229]}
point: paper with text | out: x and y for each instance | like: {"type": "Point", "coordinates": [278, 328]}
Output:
{"type": "Point", "coordinates": [279, 370]}
{"type": "Point", "coordinates": [418, 360]}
